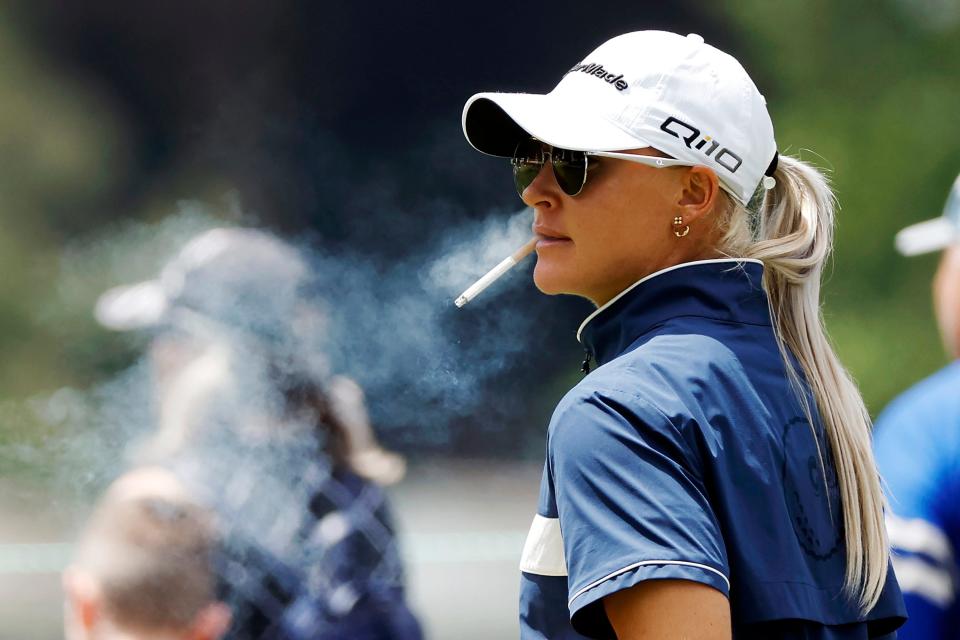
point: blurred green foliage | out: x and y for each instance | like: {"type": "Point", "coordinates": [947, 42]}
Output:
{"type": "Point", "coordinates": [63, 150]}
{"type": "Point", "coordinates": [58, 151]}
{"type": "Point", "coordinates": [869, 91]}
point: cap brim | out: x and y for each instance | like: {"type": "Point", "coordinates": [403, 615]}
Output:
{"type": "Point", "coordinates": [137, 306]}
{"type": "Point", "coordinates": [928, 236]}
{"type": "Point", "coordinates": [494, 123]}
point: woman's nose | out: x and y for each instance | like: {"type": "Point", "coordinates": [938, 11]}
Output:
{"type": "Point", "coordinates": [543, 192]}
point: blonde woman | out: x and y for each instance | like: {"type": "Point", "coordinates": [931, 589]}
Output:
{"type": "Point", "coordinates": [711, 476]}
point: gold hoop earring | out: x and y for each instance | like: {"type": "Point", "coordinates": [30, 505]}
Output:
{"type": "Point", "coordinates": [677, 231]}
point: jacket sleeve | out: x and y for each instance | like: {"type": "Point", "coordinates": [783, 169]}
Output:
{"type": "Point", "coordinates": [631, 502]}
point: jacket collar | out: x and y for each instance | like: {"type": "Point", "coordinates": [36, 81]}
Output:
{"type": "Point", "coordinates": [729, 290]}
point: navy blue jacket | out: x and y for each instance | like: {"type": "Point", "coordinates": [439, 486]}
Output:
{"type": "Point", "coordinates": [686, 455]}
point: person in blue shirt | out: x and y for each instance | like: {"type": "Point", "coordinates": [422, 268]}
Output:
{"type": "Point", "coordinates": [918, 451]}
{"type": "Point", "coordinates": [711, 476]}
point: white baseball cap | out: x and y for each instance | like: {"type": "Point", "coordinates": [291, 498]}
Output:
{"type": "Point", "coordinates": [935, 234]}
{"type": "Point", "coordinates": [642, 89]}
{"type": "Point", "coordinates": [240, 277]}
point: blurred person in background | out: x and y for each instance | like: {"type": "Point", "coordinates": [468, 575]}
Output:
{"type": "Point", "coordinates": [713, 476]}
{"type": "Point", "coordinates": [145, 566]}
{"type": "Point", "coordinates": [251, 421]}
{"type": "Point", "coordinates": [918, 451]}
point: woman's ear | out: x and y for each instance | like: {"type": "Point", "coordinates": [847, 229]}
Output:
{"type": "Point", "coordinates": [699, 192]}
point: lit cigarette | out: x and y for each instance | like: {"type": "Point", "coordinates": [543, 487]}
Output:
{"type": "Point", "coordinates": [494, 274]}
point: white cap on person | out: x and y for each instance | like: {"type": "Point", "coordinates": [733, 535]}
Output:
{"type": "Point", "coordinates": [236, 275]}
{"type": "Point", "coordinates": [239, 283]}
{"type": "Point", "coordinates": [642, 89]}
{"type": "Point", "coordinates": [935, 234]}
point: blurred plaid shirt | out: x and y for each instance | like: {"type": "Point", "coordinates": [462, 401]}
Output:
{"type": "Point", "coordinates": [309, 550]}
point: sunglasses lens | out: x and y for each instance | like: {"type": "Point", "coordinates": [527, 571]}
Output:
{"type": "Point", "coordinates": [527, 162]}
{"type": "Point", "coordinates": [570, 168]}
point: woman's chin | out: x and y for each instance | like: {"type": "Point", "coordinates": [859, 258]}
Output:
{"type": "Point", "coordinates": [550, 280]}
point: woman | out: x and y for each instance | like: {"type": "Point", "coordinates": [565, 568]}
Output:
{"type": "Point", "coordinates": [712, 476]}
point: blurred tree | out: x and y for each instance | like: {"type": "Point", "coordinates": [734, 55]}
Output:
{"type": "Point", "coordinates": [869, 91]}
{"type": "Point", "coordinates": [61, 147]}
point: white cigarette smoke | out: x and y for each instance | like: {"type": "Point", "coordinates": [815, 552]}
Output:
{"type": "Point", "coordinates": [393, 327]}
{"type": "Point", "coordinates": [464, 258]}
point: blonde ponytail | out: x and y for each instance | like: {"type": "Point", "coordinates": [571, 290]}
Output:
{"type": "Point", "coordinates": [791, 232]}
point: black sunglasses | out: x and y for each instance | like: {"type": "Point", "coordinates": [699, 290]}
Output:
{"type": "Point", "coordinates": [571, 167]}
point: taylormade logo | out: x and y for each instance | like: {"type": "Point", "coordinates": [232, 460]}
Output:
{"type": "Point", "coordinates": [597, 70]}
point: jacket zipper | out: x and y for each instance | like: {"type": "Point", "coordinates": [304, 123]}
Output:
{"type": "Point", "coordinates": [587, 357]}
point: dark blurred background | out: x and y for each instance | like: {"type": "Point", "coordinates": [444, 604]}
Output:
{"type": "Point", "coordinates": [339, 124]}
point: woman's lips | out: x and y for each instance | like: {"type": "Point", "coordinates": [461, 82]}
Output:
{"type": "Point", "coordinates": [549, 238]}
{"type": "Point", "coordinates": [546, 241]}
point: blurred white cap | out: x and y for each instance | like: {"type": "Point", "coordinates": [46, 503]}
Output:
{"type": "Point", "coordinates": [936, 234]}
{"type": "Point", "coordinates": [236, 276]}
